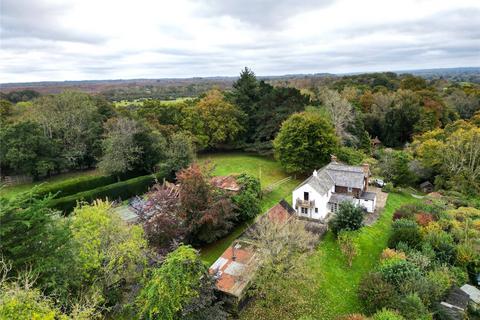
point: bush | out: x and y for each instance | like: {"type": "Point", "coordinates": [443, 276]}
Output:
{"type": "Point", "coordinates": [353, 316]}
{"type": "Point", "coordinates": [423, 219]}
{"type": "Point", "coordinates": [405, 231]}
{"type": "Point", "coordinates": [388, 187]}
{"type": "Point", "coordinates": [420, 259]}
{"type": "Point", "coordinates": [441, 280]}
{"type": "Point", "coordinates": [405, 212]}
{"type": "Point", "coordinates": [430, 288]}
{"type": "Point", "coordinates": [376, 293]}
{"type": "Point", "coordinates": [391, 254]}
{"type": "Point", "coordinates": [348, 246]}
{"type": "Point", "coordinates": [412, 307]}
{"type": "Point", "coordinates": [120, 190]}
{"type": "Point", "coordinates": [386, 314]}
{"type": "Point", "coordinates": [445, 253]}
{"type": "Point", "coordinates": [74, 185]}
{"type": "Point", "coordinates": [441, 242]}
{"type": "Point", "coordinates": [348, 218]}
{"type": "Point", "coordinates": [459, 276]}
{"type": "Point", "coordinates": [247, 201]}
{"type": "Point", "coordinates": [399, 271]}
{"type": "Point", "coordinates": [350, 155]}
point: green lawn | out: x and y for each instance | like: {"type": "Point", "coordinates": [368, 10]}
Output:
{"type": "Point", "coordinates": [8, 192]}
{"type": "Point", "coordinates": [268, 170]}
{"type": "Point", "coordinates": [332, 288]}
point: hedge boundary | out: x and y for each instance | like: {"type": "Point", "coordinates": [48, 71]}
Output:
{"type": "Point", "coordinates": [119, 190]}
{"type": "Point", "coordinates": [74, 185]}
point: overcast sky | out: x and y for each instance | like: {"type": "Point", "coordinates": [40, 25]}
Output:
{"type": "Point", "coordinates": [46, 40]}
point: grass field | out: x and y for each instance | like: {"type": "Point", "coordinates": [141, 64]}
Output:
{"type": "Point", "coordinates": [267, 170]}
{"type": "Point", "coordinates": [8, 192]}
{"type": "Point", "coordinates": [335, 291]}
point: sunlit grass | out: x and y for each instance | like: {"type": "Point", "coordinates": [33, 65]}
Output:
{"type": "Point", "coordinates": [267, 170]}
{"type": "Point", "coordinates": [332, 288]}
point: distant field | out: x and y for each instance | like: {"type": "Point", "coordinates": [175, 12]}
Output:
{"type": "Point", "coordinates": [331, 290]}
{"type": "Point", "coordinates": [268, 170]}
{"type": "Point", "coordinates": [139, 102]}
{"type": "Point", "coordinates": [13, 190]}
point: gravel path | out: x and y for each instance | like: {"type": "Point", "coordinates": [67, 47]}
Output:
{"type": "Point", "coordinates": [371, 218]}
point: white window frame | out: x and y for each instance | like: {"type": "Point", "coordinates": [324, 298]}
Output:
{"type": "Point", "coordinates": [349, 189]}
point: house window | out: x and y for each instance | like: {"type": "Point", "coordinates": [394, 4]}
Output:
{"type": "Point", "coordinates": [304, 210]}
{"type": "Point", "coordinates": [316, 210]}
{"type": "Point", "coordinates": [349, 189]}
{"type": "Point", "coordinates": [305, 196]}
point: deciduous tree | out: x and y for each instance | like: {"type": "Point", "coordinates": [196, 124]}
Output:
{"type": "Point", "coordinates": [181, 288]}
{"type": "Point", "coordinates": [305, 142]}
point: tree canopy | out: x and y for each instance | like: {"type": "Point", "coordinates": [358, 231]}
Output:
{"type": "Point", "coordinates": [305, 142]}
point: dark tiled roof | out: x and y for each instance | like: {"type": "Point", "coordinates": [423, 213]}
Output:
{"type": "Point", "coordinates": [321, 183]}
{"type": "Point", "coordinates": [346, 176]}
{"type": "Point", "coordinates": [336, 174]}
{"type": "Point", "coordinates": [368, 195]}
{"type": "Point", "coordinates": [287, 206]}
{"type": "Point", "coordinates": [426, 184]}
{"type": "Point", "coordinates": [339, 198]}
{"type": "Point", "coordinates": [457, 298]}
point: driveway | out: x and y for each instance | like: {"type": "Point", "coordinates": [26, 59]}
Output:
{"type": "Point", "coordinates": [381, 201]}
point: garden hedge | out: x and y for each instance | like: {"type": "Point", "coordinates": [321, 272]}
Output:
{"type": "Point", "coordinates": [74, 185]}
{"type": "Point", "coordinates": [120, 190]}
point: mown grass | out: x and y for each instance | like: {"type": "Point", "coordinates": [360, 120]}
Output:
{"type": "Point", "coordinates": [335, 291]}
{"type": "Point", "coordinates": [267, 170]}
{"type": "Point", "coordinates": [9, 192]}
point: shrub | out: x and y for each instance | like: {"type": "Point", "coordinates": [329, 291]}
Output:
{"type": "Point", "coordinates": [420, 259]}
{"type": "Point", "coordinates": [350, 155]}
{"type": "Point", "coordinates": [466, 254]}
{"type": "Point", "coordinates": [386, 314]}
{"type": "Point", "coordinates": [459, 275]}
{"type": "Point", "coordinates": [348, 246]}
{"type": "Point", "coordinates": [247, 201]}
{"type": "Point", "coordinates": [405, 212]}
{"type": "Point", "coordinates": [123, 190]}
{"type": "Point", "coordinates": [348, 218]}
{"type": "Point", "coordinates": [376, 293]}
{"type": "Point", "coordinates": [388, 187]}
{"type": "Point", "coordinates": [405, 231]}
{"type": "Point", "coordinates": [430, 288]}
{"type": "Point", "coordinates": [354, 316]}
{"type": "Point", "coordinates": [397, 272]}
{"type": "Point", "coordinates": [392, 254]}
{"type": "Point", "coordinates": [423, 219]}
{"type": "Point", "coordinates": [412, 307]}
{"type": "Point", "coordinates": [441, 280]}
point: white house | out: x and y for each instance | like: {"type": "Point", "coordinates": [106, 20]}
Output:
{"type": "Point", "coordinates": [325, 189]}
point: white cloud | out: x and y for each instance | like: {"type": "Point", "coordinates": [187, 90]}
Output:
{"type": "Point", "coordinates": [89, 39]}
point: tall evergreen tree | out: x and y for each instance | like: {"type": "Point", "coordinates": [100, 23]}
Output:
{"type": "Point", "coordinates": [245, 95]}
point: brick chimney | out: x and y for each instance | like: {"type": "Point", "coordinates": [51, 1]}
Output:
{"type": "Point", "coordinates": [333, 158]}
{"type": "Point", "coordinates": [366, 171]}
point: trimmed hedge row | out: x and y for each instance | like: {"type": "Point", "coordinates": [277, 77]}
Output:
{"type": "Point", "coordinates": [75, 185]}
{"type": "Point", "coordinates": [123, 190]}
